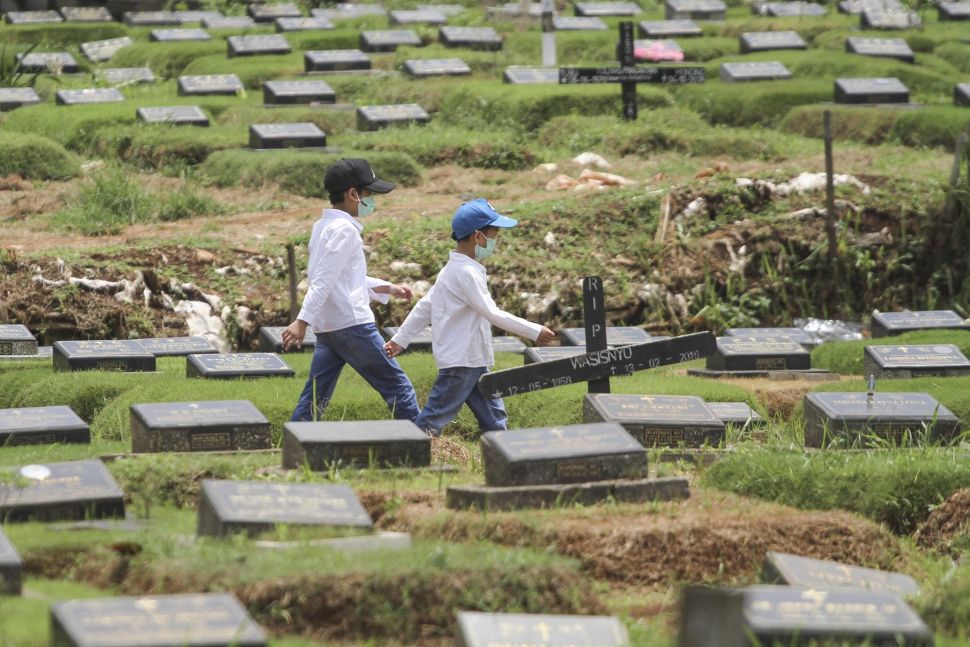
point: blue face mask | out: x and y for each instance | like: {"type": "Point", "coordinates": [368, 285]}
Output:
{"type": "Point", "coordinates": [366, 206]}
{"type": "Point", "coordinates": [481, 253]}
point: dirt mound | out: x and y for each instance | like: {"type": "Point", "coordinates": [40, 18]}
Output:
{"type": "Point", "coordinates": [710, 537]}
{"type": "Point", "coordinates": [950, 519]}
{"type": "Point", "coordinates": [379, 504]}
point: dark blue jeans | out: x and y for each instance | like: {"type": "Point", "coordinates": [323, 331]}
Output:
{"type": "Point", "coordinates": [363, 348]}
{"type": "Point", "coordinates": [454, 387]}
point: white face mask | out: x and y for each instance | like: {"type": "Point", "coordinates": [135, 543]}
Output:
{"type": "Point", "coordinates": [366, 206]}
{"type": "Point", "coordinates": [482, 253]}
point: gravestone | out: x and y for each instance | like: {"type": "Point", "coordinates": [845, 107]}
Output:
{"type": "Point", "coordinates": [870, 90]}
{"type": "Point", "coordinates": [177, 346]}
{"type": "Point", "coordinates": [228, 22]}
{"type": "Point", "coordinates": [190, 17]}
{"type": "Point", "coordinates": [294, 92]}
{"type": "Point", "coordinates": [271, 340]}
{"type": "Point", "coordinates": [313, 23]}
{"type": "Point", "coordinates": [151, 19]}
{"type": "Point", "coordinates": [887, 324]}
{"type": "Point", "coordinates": [125, 75]}
{"type": "Point", "coordinates": [257, 45]}
{"type": "Point", "coordinates": [251, 507]}
{"type": "Point", "coordinates": [670, 29]}
{"type": "Point", "coordinates": [883, 47]}
{"type": "Point", "coordinates": [764, 41]}
{"type": "Point", "coordinates": [855, 7]}
{"type": "Point", "coordinates": [42, 426]}
{"type": "Point", "coordinates": [14, 338]}
{"type": "Point", "coordinates": [658, 420]}
{"type": "Point", "coordinates": [797, 334]}
{"type": "Point", "coordinates": [759, 354]}
{"type": "Point", "coordinates": [350, 10]}
{"type": "Point", "coordinates": [578, 23]}
{"type": "Point", "coordinates": [888, 19]}
{"type": "Point", "coordinates": [794, 9]}
{"type": "Point", "coordinates": [484, 38]}
{"type": "Point", "coordinates": [794, 570]}
{"type": "Point", "coordinates": [44, 62]}
{"type": "Point", "coordinates": [530, 75]}
{"type": "Point", "coordinates": [402, 114]}
{"type": "Point", "coordinates": [428, 67]}
{"type": "Point", "coordinates": [11, 567]}
{"type": "Point", "coordinates": [754, 71]}
{"type": "Point", "coordinates": [237, 365]}
{"type": "Point", "coordinates": [174, 115]}
{"type": "Point", "coordinates": [514, 11]}
{"type": "Point", "coordinates": [99, 51]}
{"type": "Point", "coordinates": [550, 353]}
{"type": "Point", "coordinates": [73, 491]}
{"type": "Point", "coordinates": [894, 417]}
{"type": "Point", "coordinates": [713, 10]}
{"type": "Point", "coordinates": [295, 135]}
{"type": "Point", "coordinates": [961, 95]}
{"type": "Point", "coordinates": [421, 342]}
{"type": "Point", "coordinates": [109, 355]}
{"type": "Point", "coordinates": [904, 362]}
{"type": "Point", "coordinates": [507, 344]}
{"type": "Point", "coordinates": [784, 615]}
{"type": "Point", "coordinates": [417, 17]}
{"type": "Point", "coordinates": [388, 40]}
{"type": "Point", "coordinates": [476, 629]}
{"type": "Point", "coordinates": [335, 60]}
{"type": "Point", "coordinates": [738, 414]}
{"type": "Point", "coordinates": [178, 35]}
{"type": "Point", "coordinates": [87, 96]}
{"type": "Point", "coordinates": [953, 11]}
{"type": "Point", "coordinates": [229, 425]}
{"type": "Point", "coordinates": [86, 14]}
{"type": "Point", "coordinates": [271, 11]}
{"type": "Point", "coordinates": [43, 353]}
{"type": "Point", "coordinates": [378, 443]}
{"type": "Point", "coordinates": [11, 99]}
{"type": "Point", "coordinates": [615, 336]}
{"type": "Point", "coordinates": [449, 10]}
{"type": "Point", "coordinates": [607, 9]}
{"type": "Point", "coordinates": [186, 620]}
{"type": "Point", "coordinates": [32, 17]}
{"type": "Point", "coordinates": [209, 84]}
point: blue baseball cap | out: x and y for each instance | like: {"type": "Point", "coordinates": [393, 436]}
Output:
{"type": "Point", "coordinates": [477, 214]}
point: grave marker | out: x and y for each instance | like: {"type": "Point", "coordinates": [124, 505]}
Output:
{"type": "Point", "coordinates": [855, 7]}
{"type": "Point", "coordinates": [270, 12]}
{"type": "Point", "coordinates": [314, 23]}
{"type": "Point", "coordinates": [795, 9]}
{"type": "Point", "coordinates": [738, 414]}
{"type": "Point", "coordinates": [189, 17]}
{"type": "Point", "coordinates": [99, 51]}
{"type": "Point", "coordinates": [177, 346]}
{"type": "Point", "coordinates": [294, 92]}
{"type": "Point", "coordinates": [108, 355]}
{"type": "Point", "coordinates": [736, 354]}
{"type": "Point", "coordinates": [381, 443]}
{"type": "Point", "coordinates": [548, 353]}
{"type": "Point", "coordinates": [887, 324]}
{"type": "Point", "coordinates": [73, 491]}
{"type": "Point", "coordinates": [764, 41]}
{"type": "Point", "coordinates": [894, 417]}
{"type": "Point", "coordinates": [794, 570]}
{"type": "Point", "coordinates": [388, 40]}
{"type": "Point", "coordinates": [259, 44]}
{"type": "Point", "coordinates": [228, 22]}
{"type": "Point", "coordinates": [449, 10]}
{"type": "Point", "coordinates": [961, 95]}
{"type": "Point", "coordinates": [530, 75]}
{"type": "Point", "coordinates": [484, 38]}
{"type": "Point", "coordinates": [14, 338]}
{"type": "Point", "coordinates": [658, 420]}
{"type": "Point", "coordinates": [335, 60]}
{"type": "Point", "coordinates": [615, 336]}
{"type": "Point", "coordinates": [402, 114]}
{"type": "Point", "coordinates": [477, 629]}
{"type": "Point", "coordinates": [507, 344]}
{"type": "Point", "coordinates": [670, 29]}
{"type": "Point", "coordinates": [32, 17]}
{"type": "Point", "coordinates": [295, 135]}
{"type": "Point", "coordinates": [904, 362]}
{"type": "Point", "coordinates": [870, 90]}
{"type": "Point", "coordinates": [125, 75]}
{"type": "Point", "coordinates": [11, 567]}
{"type": "Point", "coordinates": [418, 17]}
{"type": "Point", "coordinates": [713, 10]}
{"type": "Point", "coordinates": [421, 342]}
{"type": "Point", "coordinates": [229, 425]}
{"type": "Point", "coordinates": [209, 84]}
{"type": "Point", "coordinates": [872, 18]}
{"type": "Point", "coordinates": [271, 340]}
{"type": "Point", "coordinates": [86, 14]}
{"type": "Point", "coordinates": [953, 11]}
{"type": "Point", "coordinates": [754, 71]}
{"type": "Point", "coordinates": [578, 23]}
{"type": "Point", "coordinates": [47, 62]}
{"type": "Point", "coordinates": [607, 9]}
{"type": "Point", "coordinates": [883, 47]}
{"type": "Point", "coordinates": [186, 620]}
{"type": "Point", "coordinates": [237, 365]}
{"type": "Point", "coordinates": [349, 10]}
{"type": "Point", "coordinates": [87, 96]}
{"type": "Point", "coordinates": [151, 19]}
{"type": "Point", "coordinates": [428, 67]}
{"type": "Point", "coordinates": [42, 426]}
{"type": "Point", "coordinates": [11, 99]}
{"type": "Point", "coordinates": [178, 35]}
{"type": "Point", "coordinates": [797, 334]}
{"type": "Point", "coordinates": [174, 115]}
{"type": "Point", "coordinates": [230, 507]}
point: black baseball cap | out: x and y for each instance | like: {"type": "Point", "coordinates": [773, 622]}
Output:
{"type": "Point", "coordinates": [350, 173]}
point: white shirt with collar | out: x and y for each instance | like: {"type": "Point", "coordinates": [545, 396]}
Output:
{"type": "Point", "coordinates": [340, 291]}
{"type": "Point", "coordinates": [461, 313]}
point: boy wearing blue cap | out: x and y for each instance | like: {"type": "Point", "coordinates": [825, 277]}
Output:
{"type": "Point", "coordinates": [461, 312]}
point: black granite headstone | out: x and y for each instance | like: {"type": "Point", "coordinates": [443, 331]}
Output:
{"type": "Point", "coordinates": [476, 629]}
{"type": "Point", "coordinates": [428, 67]}
{"type": "Point", "coordinates": [888, 20]}
{"type": "Point", "coordinates": [883, 47]}
{"type": "Point", "coordinates": [44, 62]}
{"type": "Point", "coordinates": [109, 355]}
{"type": "Point", "coordinates": [271, 11]}
{"type": "Point", "coordinates": [32, 17]}
{"type": "Point", "coordinates": [388, 40]}
{"type": "Point", "coordinates": [904, 362]}
{"type": "Point", "coordinates": [177, 346]}
{"type": "Point", "coordinates": [531, 75]}
{"type": "Point", "coordinates": [615, 336]}
{"type": "Point", "coordinates": [378, 443]}
{"type": "Point", "coordinates": [258, 44]}
{"type": "Point", "coordinates": [11, 99]}
{"type": "Point", "coordinates": [754, 71]}
{"type": "Point", "coordinates": [237, 365]}
{"type": "Point", "coordinates": [953, 11]}
{"type": "Point", "coordinates": [195, 17]}
{"type": "Point", "coordinates": [87, 96]}
{"type": "Point", "coordinates": [870, 90]}
{"type": "Point", "coordinates": [658, 420]}
{"type": "Point", "coordinates": [336, 60]}
{"type": "Point", "coordinates": [759, 354]}
{"type": "Point", "coordinates": [484, 38]}
{"type": "Point", "coordinates": [739, 414]}
{"type": "Point", "coordinates": [42, 426]}
{"type": "Point", "coordinates": [607, 9]}
{"type": "Point", "coordinates": [350, 10]}
{"type": "Point", "coordinates": [794, 570]}
{"type": "Point", "coordinates": [449, 10]}
{"type": "Point", "coordinates": [694, 10]}
{"type": "Point", "coordinates": [670, 29]}
{"type": "Point", "coordinates": [855, 7]}
{"type": "Point", "coordinates": [312, 23]}
{"type": "Point", "coordinates": [86, 14]}
{"type": "Point", "coordinates": [417, 17]}
{"type": "Point", "coordinates": [894, 417]}
{"type": "Point", "coordinates": [230, 507]}
{"type": "Point", "coordinates": [569, 454]}
{"type": "Point", "coordinates": [174, 115]}
{"type": "Point", "coordinates": [794, 9]}
{"type": "Point", "coordinates": [125, 75]}
{"type": "Point", "coordinates": [764, 41]}
{"type": "Point", "coordinates": [797, 334]}
{"type": "Point", "coordinates": [295, 135]}
{"type": "Point", "coordinates": [151, 19]}
{"type": "Point", "coordinates": [227, 425]}
{"type": "Point", "coordinates": [578, 23]}
{"type": "Point", "coordinates": [961, 95]}
{"type": "Point", "coordinates": [508, 344]}
{"type": "Point", "coordinates": [293, 92]}
{"type": "Point", "coordinates": [186, 620]}
{"type": "Point", "coordinates": [99, 51]}
{"type": "Point", "coordinates": [178, 35]}
{"type": "Point", "coordinates": [11, 567]}
{"type": "Point", "coordinates": [402, 114]}
{"type": "Point", "coordinates": [73, 491]}
{"type": "Point", "coordinates": [271, 340]}
{"type": "Point", "coordinates": [886, 324]}
{"type": "Point", "coordinates": [206, 84]}
{"type": "Point", "coordinates": [228, 22]}
{"type": "Point", "coordinates": [14, 338]}
{"type": "Point", "coordinates": [420, 342]}
{"type": "Point", "coordinates": [549, 353]}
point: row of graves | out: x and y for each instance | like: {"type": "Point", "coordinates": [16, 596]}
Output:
{"type": "Point", "coordinates": [604, 458]}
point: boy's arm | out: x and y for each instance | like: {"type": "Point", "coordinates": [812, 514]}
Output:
{"type": "Point", "coordinates": [381, 297]}
{"type": "Point", "coordinates": [478, 298]}
{"type": "Point", "coordinates": [417, 320]}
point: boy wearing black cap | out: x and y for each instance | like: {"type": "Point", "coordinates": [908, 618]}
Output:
{"type": "Point", "coordinates": [461, 312]}
{"type": "Point", "coordinates": [337, 303]}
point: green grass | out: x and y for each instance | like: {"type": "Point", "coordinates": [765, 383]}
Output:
{"type": "Point", "coordinates": [35, 157]}
{"type": "Point", "coordinates": [928, 127]}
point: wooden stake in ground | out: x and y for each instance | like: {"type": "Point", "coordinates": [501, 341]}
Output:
{"type": "Point", "coordinates": [829, 188]}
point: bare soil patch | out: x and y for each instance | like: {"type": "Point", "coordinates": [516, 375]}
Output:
{"type": "Point", "coordinates": [950, 519]}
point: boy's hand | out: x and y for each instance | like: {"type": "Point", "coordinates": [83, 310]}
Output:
{"type": "Point", "coordinates": [293, 334]}
{"type": "Point", "coordinates": [546, 337]}
{"type": "Point", "coordinates": [393, 349]}
{"type": "Point", "coordinates": [400, 291]}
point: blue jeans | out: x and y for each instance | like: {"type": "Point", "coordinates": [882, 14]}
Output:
{"type": "Point", "coordinates": [363, 348]}
{"type": "Point", "coordinates": [454, 387]}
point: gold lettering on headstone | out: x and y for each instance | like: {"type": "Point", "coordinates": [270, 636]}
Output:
{"type": "Point", "coordinates": [210, 441]}
{"type": "Point", "coordinates": [769, 363]}
{"type": "Point", "coordinates": [579, 469]}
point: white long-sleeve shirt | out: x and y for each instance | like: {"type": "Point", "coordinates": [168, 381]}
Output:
{"type": "Point", "coordinates": [340, 291]}
{"type": "Point", "coordinates": [461, 313]}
